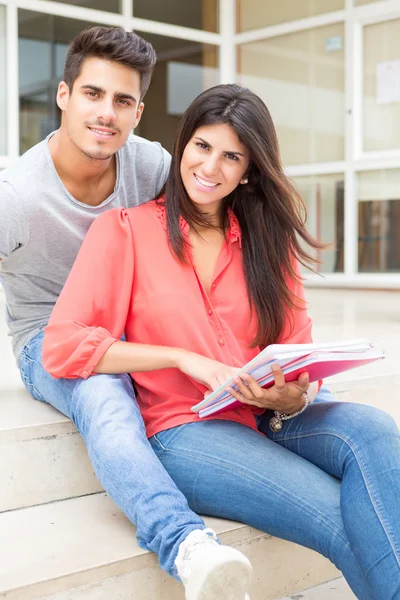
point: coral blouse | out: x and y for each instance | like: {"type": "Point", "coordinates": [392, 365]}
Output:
{"type": "Point", "coordinates": [126, 280]}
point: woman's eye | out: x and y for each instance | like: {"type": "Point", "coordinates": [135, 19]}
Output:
{"type": "Point", "coordinates": [201, 145]}
{"type": "Point", "coordinates": [232, 156]}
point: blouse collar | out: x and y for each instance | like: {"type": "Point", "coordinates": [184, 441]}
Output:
{"type": "Point", "coordinates": [233, 234]}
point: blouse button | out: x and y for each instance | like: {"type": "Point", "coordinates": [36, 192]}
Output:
{"type": "Point", "coordinates": [209, 311]}
{"type": "Point", "coordinates": [213, 286]}
{"type": "Point", "coordinates": [85, 373]}
{"type": "Point", "coordinates": [221, 342]}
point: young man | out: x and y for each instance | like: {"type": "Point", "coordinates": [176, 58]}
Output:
{"type": "Point", "coordinates": [48, 200]}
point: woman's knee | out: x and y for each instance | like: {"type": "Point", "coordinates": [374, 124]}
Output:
{"type": "Point", "coordinates": [361, 424]}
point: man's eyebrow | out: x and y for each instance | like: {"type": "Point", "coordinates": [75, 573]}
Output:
{"type": "Point", "coordinates": [124, 96]}
{"type": "Point", "coordinates": [226, 151]}
{"type": "Point", "coordinates": [119, 95]}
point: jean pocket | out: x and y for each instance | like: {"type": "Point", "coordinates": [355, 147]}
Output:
{"type": "Point", "coordinates": [164, 440]}
{"type": "Point", "coordinates": [157, 446]}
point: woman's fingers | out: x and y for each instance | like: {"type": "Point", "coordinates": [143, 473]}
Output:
{"type": "Point", "coordinates": [279, 378]}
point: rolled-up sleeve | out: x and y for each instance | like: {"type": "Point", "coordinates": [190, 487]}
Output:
{"type": "Point", "coordinates": [91, 312]}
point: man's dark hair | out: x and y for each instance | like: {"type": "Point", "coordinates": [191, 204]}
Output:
{"type": "Point", "coordinates": [113, 44]}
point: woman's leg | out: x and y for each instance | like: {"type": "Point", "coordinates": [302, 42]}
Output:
{"type": "Point", "coordinates": [361, 446]}
{"type": "Point", "coordinates": [228, 470]}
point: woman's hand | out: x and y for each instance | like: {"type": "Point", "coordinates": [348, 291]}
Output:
{"type": "Point", "coordinates": [285, 397]}
{"type": "Point", "coordinates": [206, 371]}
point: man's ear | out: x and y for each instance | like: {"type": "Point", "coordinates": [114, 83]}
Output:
{"type": "Point", "coordinates": [62, 95]}
{"type": "Point", "coordinates": [139, 113]}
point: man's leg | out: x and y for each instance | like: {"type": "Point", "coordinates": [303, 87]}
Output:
{"type": "Point", "coordinates": [105, 412]}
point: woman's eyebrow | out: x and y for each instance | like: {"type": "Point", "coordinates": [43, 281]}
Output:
{"type": "Point", "coordinates": [226, 151]}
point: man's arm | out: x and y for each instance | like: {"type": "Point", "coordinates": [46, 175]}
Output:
{"type": "Point", "coordinates": [13, 221]}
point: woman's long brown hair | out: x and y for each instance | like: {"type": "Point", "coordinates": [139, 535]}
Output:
{"type": "Point", "coordinates": [269, 209]}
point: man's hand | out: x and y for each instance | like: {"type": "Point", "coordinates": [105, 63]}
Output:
{"type": "Point", "coordinates": [285, 397]}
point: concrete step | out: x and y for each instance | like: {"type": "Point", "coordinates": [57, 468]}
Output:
{"type": "Point", "coordinates": [332, 590]}
{"type": "Point", "coordinates": [43, 458]}
{"type": "Point", "coordinates": [85, 549]}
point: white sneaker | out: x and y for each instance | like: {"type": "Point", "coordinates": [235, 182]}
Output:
{"type": "Point", "coordinates": [210, 571]}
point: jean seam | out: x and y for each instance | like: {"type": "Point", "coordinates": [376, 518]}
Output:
{"type": "Point", "coordinates": [28, 384]}
{"type": "Point", "coordinates": [309, 508]}
{"type": "Point", "coordinates": [366, 480]}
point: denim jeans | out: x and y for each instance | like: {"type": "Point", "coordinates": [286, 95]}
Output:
{"type": "Point", "coordinates": [330, 480]}
{"type": "Point", "coordinates": [105, 412]}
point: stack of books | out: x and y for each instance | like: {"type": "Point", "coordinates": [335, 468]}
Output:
{"type": "Point", "coordinates": [318, 360]}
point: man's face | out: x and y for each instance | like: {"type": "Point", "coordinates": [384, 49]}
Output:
{"type": "Point", "coordinates": [103, 107]}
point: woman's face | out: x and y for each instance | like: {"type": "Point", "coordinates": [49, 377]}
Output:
{"type": "Point", "coordinates": [213, 164]}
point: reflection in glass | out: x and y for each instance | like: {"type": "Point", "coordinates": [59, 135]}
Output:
{"type": "Point", "coordinates": [253, 14]}
{"type": "Point", "coordinates": [43, 42]}
{"type": "Point", "coordinates": [3, 86]}
{"type": "Point", "coordinates": [379, 221]}
{"type": "Point", "coordinates": [197, 14]}
{"type": "Point", "coordinates": [300, 77]}
{"type": "Point", "coordinates": [184, 69]}
{"type": "Point", "coordinates": [324, 198]}
{"type": "Point", "coordinates": [382, 86]}
{"type": "Point", "coordinates": [113, 6]}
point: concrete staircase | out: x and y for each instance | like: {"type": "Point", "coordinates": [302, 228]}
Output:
{"type": "Point", "coordinates": [62, 538]}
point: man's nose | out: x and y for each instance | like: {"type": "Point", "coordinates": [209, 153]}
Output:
{"type": "Point", "coordinates": [106, 111]}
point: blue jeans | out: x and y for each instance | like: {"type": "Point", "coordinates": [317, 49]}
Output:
{"type": "Point", "coordinates": [105, 412]}
{"type": "Point", "coordinates": [330, 480]}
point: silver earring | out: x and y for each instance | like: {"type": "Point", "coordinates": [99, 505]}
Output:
{"type": "Point", "coordinates": [245, 180]}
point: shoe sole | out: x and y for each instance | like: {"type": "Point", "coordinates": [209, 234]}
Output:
{"type": "Point", "coordinates": [229, 581]}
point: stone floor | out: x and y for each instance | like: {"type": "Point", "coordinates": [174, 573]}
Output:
{"type": "Point", "coordinates": [337, 315]}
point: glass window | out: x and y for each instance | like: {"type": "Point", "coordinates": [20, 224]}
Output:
{"type": "Point", "coordinates": [300, 77]}
{"type": "Point", "coordinates": [382, 86]}
{"type": "Point", "coordinates": [184, 69]}
{"type": "Point", "coordinates": [3, 86]}
{"type": "Point", "coordinates": [197, 14]}
{"type": "Point", "coordinates": [43, 42]}
{"type": "Point", "coordinates": [324, 198]}
{"type": "Point", "coordinates": [253, 14]}
{"type": "Point", "coordinates": [379, 221]}
{"type": "Point", "coordinates": [106, 5]}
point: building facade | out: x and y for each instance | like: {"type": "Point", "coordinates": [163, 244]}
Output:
{"type": "Point", "coordinates": [328, 70]}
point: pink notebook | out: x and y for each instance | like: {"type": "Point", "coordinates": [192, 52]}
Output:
{"type": "Point", "coordinates": [318, 360]}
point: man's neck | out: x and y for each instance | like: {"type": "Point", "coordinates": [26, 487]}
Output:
{"type": "Point", "coordinates": [90, 181]}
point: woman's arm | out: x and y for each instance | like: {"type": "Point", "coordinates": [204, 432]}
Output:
{"type": "Point", "coordinates": [91, 311]}
{"type": "Point", "coordinates": [89, 318]}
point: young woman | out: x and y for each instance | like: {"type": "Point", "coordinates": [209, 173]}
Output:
{"type": "Point", "coordinates": [200, 280]}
